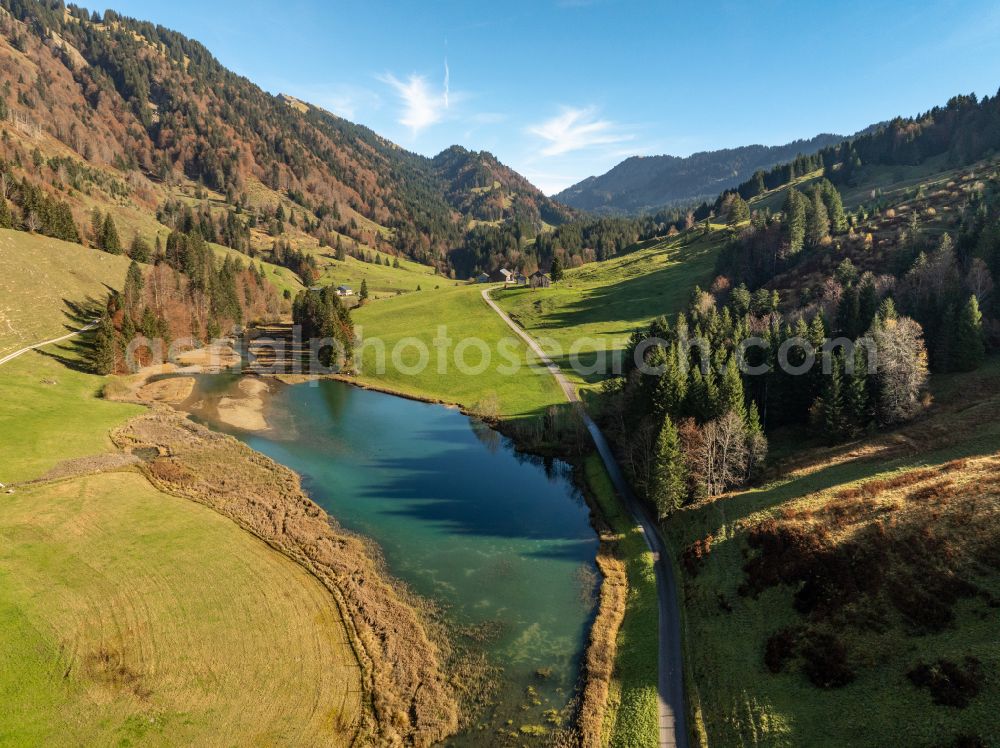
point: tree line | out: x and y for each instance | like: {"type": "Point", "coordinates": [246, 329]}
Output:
{"type": "Point", "coordinates": [690, 412]}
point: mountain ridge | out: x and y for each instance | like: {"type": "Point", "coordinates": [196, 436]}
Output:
{"type": "Point", "coordinates": [646, 183]}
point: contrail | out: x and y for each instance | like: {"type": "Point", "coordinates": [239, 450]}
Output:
{"type": "Point", "coordinates": [447, 77]}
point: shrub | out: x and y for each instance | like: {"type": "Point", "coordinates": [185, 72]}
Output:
{"type": "Point", "coordinates": [826, 663]}
{"type": "Point", "coordinates": [949, 684]}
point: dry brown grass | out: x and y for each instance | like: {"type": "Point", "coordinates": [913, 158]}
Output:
{"type": "Point", "coordinates": [602, 646]}
{"type": "Point", "coordinates": [410, 698]}
{"type": "Point", "coordinates": [888, 556]}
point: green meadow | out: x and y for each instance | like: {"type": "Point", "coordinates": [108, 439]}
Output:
{"type": "Point", "coordinates": [414, 320]}
{"type": "Point", "coordinates": [596, 307]}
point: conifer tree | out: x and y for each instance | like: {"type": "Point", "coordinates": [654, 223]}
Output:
{"type": "Point", "coordinates": [139, 251]}
{"type": "Point", "coordinates": [671, 389]}
{"type": "Point", "coordinates": [363, 293]}
{"type": "Point", "coordinates": [969, 350]}
{"type": "Point", "coordinates": [6, 219]}
{"type": "Point", "coordinates": [132, 291]}
{"type": "Point", "coordinates": [556, 271]}
{"type": "Point", "coordinates": [829, 410]}
{"type": "Point", "coordinates": [103, 355]}
{"type": "Point", "coordinates": [834, 207]}
{"type": "Point", "coordinates": [858, 398]}
{"type": "Point", "coordinates": [887, 310]}
{"type": "Point", "coordinates": [739, 211]}
{"type": "Point", "coordinates": [818, 221]}
{"type": "Point", "coordinates": [795, 220]}
{"type": "Point", "coordinates": [731, 397]}
{"type": "Point", "coordinates": [109, 240]}
{"type": "Point", "coordinates": [668, 476]}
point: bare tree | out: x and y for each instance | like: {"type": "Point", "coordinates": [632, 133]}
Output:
{"type": "Point", "coordinates": [979, 280]}
{"type": "Point", "coordinates": [901, 369]}
{"type": "Point", "coordinates": [718, 458]}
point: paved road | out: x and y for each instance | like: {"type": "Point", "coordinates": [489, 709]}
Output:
{"type": "Point", "coordinates": [15, 354]}
{"type": "Point", "coordinates": [673, 731]}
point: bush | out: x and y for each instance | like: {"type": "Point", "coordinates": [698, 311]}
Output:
{"type": "Point", "coordinates": [949, 684]}
{"type": "Point", "coordinates": [826, 663]}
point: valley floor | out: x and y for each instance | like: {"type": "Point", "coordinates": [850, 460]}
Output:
{"type": "Point", "coordinates": [129, 615]}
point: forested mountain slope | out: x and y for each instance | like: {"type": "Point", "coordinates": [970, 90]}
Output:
{"type": "Point", "coordinates": [643, 183]}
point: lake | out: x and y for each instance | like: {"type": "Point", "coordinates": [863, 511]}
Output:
{"type": "Point", "coordinates": [500, 541]}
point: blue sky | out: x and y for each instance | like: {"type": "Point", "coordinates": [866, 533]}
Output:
{"type": "Point", "coordinates": [563, 89]}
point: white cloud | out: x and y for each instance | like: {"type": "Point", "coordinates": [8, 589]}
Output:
{"type": "Point", "coordinates": [575, 130]}
{"type": "Point", "coordinates": [422, 105]}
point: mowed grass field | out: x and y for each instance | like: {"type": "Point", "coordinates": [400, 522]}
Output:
{"type": "Point", "coordinates": [741, 701]}
{"type": "Point", "coordinates": [417, 316]}
{"type": "Point", "coordinates": [597, 307]}
{"type": "Point", "coordinates": [131, 617]}
{"type": "Point", "coordinates": [128, 616]}
{"type": "Point", "coordinates": [41, 278]}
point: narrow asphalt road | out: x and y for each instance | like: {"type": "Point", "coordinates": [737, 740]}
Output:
{"type": "Point", "coordinates": [673, 730]}
{"type": "Point", "coordinates": [15, 354]}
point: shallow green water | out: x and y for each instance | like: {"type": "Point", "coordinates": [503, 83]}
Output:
{"type": "Point", "coordinates": [502, 541]}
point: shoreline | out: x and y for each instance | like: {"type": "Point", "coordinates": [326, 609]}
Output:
{"type": "Point", "coordinates": [598, 656]}
{"type": "Point", "coordinates": [594, 674]}
{"type": "Point", "coordinates": [401, 662]}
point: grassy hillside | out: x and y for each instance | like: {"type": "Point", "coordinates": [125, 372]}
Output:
{"type": "Point", "coordinates": [281, 278]}
{"type": "Point", "coordinates": [381, 280]}
{"type": "Point", "coordinates": [462, 310]}
{"type": "Point", "coordinates": [599, 305]}
{"type": "Point", "coordinates": [44, 281]}
{"type": "Point", "coordinates": [160, 620]}
{"type": "Point", "coordinates": [853, 569]}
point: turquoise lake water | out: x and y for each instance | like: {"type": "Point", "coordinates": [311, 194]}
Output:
{"type": "Point", "coordinates": [501, 541]}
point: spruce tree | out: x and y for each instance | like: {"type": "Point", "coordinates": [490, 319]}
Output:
{"type": "Point", "coordinates": [556, 271]}
{"type": "Point", "coordinates": [109, 241]}
{"type": "Point", "coordinates": [817, 221]}
{"type": "Point", "coordinates": [834, 207]}
{"type": "Point", "coordinates": [969, 349]}
{"type": "Point", "coordinates": [739, 211]}
{"type": "Point", "coordinates": [668, 476]}
{"type": "Point", "coordinates": [132, 291]}
{"type": "Point", "coordinates": [103, 354]}
{"type": "Point", "coordinates": [831, 411]}
{"type": "Point", "coordinates": [671, 388]}
{"type": "Point", "coordinates": [6, 219]}
{"type": "Point", "coordinates": [363, 294]}
{"type": "Point", "coordinates": [139, 251]}
{"type": "Point", "coordinates": [858, 398]}
{"type": "Point", "coordinates": [795, 220]}
{"type": "Point", "coordinates": [731, 395]}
